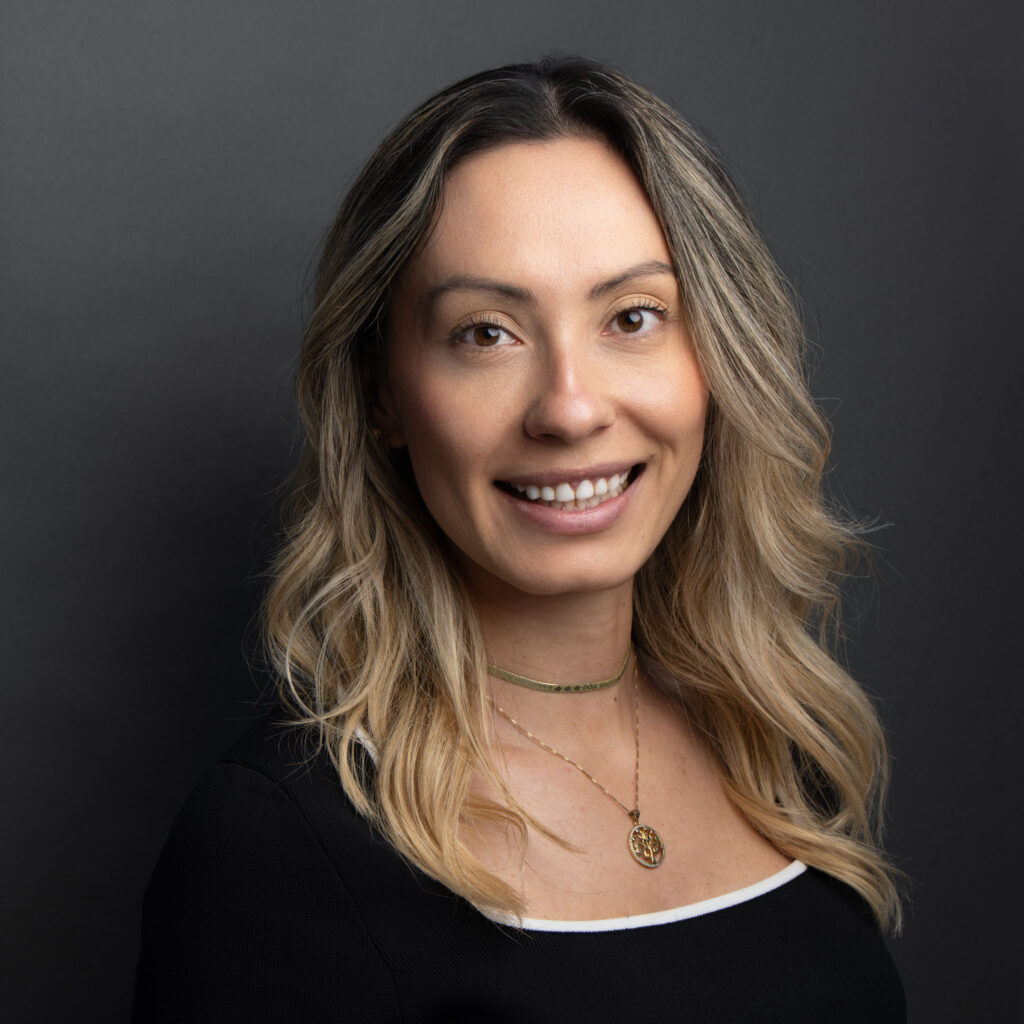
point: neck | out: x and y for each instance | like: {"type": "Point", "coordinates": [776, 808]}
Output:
{"type": "Point", "coordinates": [561, 639]}
{"type": "Point", "coordinates": [568, 638]}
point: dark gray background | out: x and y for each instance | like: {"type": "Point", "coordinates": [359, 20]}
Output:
{"type": "Point", "coordinates": [167, 169]}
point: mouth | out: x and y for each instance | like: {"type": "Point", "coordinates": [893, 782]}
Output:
{"type": "Point", "coordinates": [573, 495]}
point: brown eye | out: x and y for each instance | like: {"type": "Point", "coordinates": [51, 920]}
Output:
{"type": "Point", "coordinates": [636, 320]}
{"type": "Point", "coordinates": [630, 320]}
{"type": "Point", "coordinates": [486, 334]}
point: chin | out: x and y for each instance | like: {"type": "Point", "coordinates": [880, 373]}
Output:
{"type": "Point", "coordinates": [552, 581]}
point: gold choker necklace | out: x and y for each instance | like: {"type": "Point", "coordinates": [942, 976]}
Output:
{"type": "Point", "coordinates": [538, 684]}
{"type": "Point", "coordinates": [644, 843]}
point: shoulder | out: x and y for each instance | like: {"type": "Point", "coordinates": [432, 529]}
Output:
{"type": "Point", "coordinates": [249, 910]}
{"type": "Point", "coordinates": [252, 812]}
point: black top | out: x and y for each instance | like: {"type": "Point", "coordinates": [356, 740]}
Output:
{"type": "Point", "coordinates": [273, 901]}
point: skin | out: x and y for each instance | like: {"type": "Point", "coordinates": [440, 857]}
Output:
{"type": "Point", "coordinates": [565, 386]}
{"type": "Point", "coordinates": [540, 333]}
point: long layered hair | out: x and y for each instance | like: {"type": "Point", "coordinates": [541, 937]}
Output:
{"type": "Point", "coordinates": [369, 626]}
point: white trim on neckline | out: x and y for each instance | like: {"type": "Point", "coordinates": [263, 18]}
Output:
{"type": "Point", "coordinates": [614, 924]}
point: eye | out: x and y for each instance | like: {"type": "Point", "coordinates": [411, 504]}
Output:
{"type": "Point", "coordinates": [483, 335]}
{"type": "Point", "coordinates": [637, 319]}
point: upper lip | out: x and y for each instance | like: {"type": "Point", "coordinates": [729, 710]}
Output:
{"type": "Point", "coordinates": [550, 478]}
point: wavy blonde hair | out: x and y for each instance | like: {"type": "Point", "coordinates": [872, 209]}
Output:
{"type": "Point", "coordinates": [368, 624]}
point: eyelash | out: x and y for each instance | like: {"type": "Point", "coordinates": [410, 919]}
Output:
{"type": "Point", "coordinates": [483, 321]}
{"type": "Point", "coordinates": [468, 325]}
{"type": "Point", "coordinates": [646, 304]}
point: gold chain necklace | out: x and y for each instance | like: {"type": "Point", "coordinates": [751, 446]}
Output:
{"type": "Point", "coordinates": [644, 843]}
{"type": "Point", "coordinates": [539, 684]}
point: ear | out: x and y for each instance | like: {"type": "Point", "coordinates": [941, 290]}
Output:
{"type": "Point", "coordinates": [387, 424]}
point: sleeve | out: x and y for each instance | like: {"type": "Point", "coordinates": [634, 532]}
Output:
{"type": "Point", "coordinates": [246, 918]}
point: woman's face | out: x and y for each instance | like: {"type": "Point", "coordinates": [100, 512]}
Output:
{"type": "Point", "coordinates": [540, 371]}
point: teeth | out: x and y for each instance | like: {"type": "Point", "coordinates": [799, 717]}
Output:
{"type": "Point", "coordinates": [586, 494]}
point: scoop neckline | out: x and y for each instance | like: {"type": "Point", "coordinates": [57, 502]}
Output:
{"type": "Point", "coordinates": [657, 917]}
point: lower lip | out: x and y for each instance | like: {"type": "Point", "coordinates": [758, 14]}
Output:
{"type": "Point", "coordinates": [557, 520]}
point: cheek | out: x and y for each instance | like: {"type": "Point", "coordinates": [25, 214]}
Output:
{"type": "Point", "coordinates": [677, 405]}
{"type": "Point", "coordinates": [447, 437]}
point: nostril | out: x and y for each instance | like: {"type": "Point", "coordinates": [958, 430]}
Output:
{"type": "Point", "coordinates": [568, 417]}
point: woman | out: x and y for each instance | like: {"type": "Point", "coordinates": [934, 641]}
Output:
{"type": "Point", "coordinates": [562, 740]}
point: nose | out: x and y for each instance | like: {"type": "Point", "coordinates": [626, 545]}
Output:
{"type": "Point", "coordinates": [572, 396]}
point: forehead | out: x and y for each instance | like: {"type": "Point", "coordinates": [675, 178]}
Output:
{"type": "Point", "coordinates": [567, 211]}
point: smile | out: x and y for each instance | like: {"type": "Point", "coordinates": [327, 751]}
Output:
{"type": "Point", "coordinates": [573, 497]}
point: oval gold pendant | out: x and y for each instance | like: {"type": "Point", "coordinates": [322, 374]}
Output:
{"type": "Point", "coordinates": [646, 846]}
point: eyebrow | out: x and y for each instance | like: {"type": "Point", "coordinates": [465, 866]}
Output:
{"type": "Point", "coordinates": [648, 269]}
{"type": "Point", "coordinates": [466, 282]}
